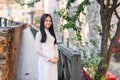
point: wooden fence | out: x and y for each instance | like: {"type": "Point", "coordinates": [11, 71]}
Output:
{"type": "Point", "coordinates": [69, 66]}
{"type": "Point", "coordinates": [14, 36]}
{"type": "Point", "coordinates": [5, 22]}
{"type": "Point", "coordinates": [13, 33]}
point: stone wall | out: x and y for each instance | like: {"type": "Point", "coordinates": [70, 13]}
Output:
{"type": "Point", "coordinates": [90, 21]}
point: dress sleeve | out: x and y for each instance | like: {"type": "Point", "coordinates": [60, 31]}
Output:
{"type": "Point", "coordinates": [38, 47]}
{"type": "Point", "coordinates": [56, 51]}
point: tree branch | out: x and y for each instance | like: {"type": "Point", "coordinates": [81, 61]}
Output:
{"type": "Point", "coordinates": [118, 4]}
{"type": "Point", "coordinates": [114, 39]}
{"type": "Point", "coordinates": [107, 8]}
{"type": "Point", "coordinates": [117, 15]}
{"type": "Point", "coordinates": [102, 9]}
{"type": "Point", "coordinates": [114, 6]}
{"type": "Point", "coordinates": [104, 27]}
{"type": "Point", "coordinates": [101, 3]}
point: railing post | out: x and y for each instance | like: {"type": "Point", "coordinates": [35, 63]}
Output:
{"type": "Point", "coordinates": [5, 22]}
{"type": "Point", "coordinates": [76, 67]}
{"type": "Point", "coordinates": [0, 22]}
{"type": "Point", "coordinates": [17, 23]}
{"type": "Point", "coordinates": [11, 23]}
{"type": "Point", "coordinates": [70, 67]}
{"type": "Point", "coordinates": [67, 42]}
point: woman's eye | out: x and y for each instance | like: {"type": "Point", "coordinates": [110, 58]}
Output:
{"type": "Point", "coordinates": [48, 21]}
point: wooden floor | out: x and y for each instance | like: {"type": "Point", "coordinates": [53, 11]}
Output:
{"type": "Point", "coordinates": [28, 62]}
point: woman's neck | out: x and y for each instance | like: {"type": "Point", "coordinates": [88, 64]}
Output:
{"type": "Point", "coordinates": [46, 29]}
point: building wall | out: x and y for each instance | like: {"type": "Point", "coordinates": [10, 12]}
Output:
{"type": "Point", "coordinates": [16, 12]}
{"type": "Point", "coordinates": [50, 6]}
{"type": "Point", "coordinates": [20, 13]}
{"type": "Point", "coordinates": [39, 8]}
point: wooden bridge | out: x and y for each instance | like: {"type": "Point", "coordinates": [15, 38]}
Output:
{"type": "Point", "coordinates": [21, 60]}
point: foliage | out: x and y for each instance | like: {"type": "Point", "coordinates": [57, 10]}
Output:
{"type": "Point", "coordinates": [107, 10]}
{"type": "Point", "coordinates": [72, 20]}
{"type": "Point", "coordinates": [29, 4]}
{"type": "Point", "coordinates": [37, 20]}
{"type": "Point", "coordinates": [92, 61]}
{"type": "Point", "coordinates": [91, 55]}
{"type": "Point", "coordinates": [98, 63]}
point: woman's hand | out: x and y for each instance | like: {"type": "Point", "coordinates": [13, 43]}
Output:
{"type": "Point", "coordinates": [53, 60]}
{"type": "Point", "coordinates": [56, 60]}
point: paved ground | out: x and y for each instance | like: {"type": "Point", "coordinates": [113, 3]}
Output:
{"type": "Point", "coordinates": [28, 67]}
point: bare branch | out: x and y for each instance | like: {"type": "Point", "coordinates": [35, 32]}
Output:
{"type": "Point", "coordinates": [117, 15]}
{"type": "Point", "coordinates": [107, 9]}
{"type": "Point", "coordinates": [114, 5]}
{"type": "Point", "coordinates": [102, 7]}
{"type": "Point", "coordinates": [114, 39]}
{"type": "Point", "coordinates": [118, 4]}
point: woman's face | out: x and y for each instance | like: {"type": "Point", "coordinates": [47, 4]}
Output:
{"type": "Point", "coordinates": [47, 22]}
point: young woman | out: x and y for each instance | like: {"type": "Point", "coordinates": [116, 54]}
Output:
{"type": "Point", "coordinates": [47, 49]}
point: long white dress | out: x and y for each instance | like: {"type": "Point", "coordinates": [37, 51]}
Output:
{"type": "Point", "coordinates": [47, 50]}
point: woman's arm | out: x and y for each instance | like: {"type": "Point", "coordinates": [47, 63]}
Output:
{"type": "Point", "coordinates": [56, 51]}
{"type": "Point", "coordinates": [38, 46]}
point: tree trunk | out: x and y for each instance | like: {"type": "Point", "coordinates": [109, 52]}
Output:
{"type": "Point", "coordinates": [106, 51]}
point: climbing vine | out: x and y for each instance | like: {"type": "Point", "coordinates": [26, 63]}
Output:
{"type": "Point", "coordinates": [29, 4]}
{"type": "Point", "coordinates": [72, 20]}
{"type": "Point", "coordinates": [107, 9]}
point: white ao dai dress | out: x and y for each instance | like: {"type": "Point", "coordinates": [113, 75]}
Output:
{"type": "Point", "coordinates": [46, 50]}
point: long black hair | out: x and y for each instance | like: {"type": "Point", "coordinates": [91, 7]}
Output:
{"type": "Point", "coordinates": [42, 28]}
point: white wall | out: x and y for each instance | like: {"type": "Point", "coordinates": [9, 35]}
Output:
{"type": "Point", "coordinates": [50, 5]}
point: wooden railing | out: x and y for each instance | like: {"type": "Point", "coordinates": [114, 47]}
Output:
{"type": "Point", "coordinates": [14, 36]}
{"type": "Point", "coordinates": [5, 22]}
{"type": "Point", "coordinates": [69, 65]}
{"type": "Point", "coordinates": [12, 32]}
